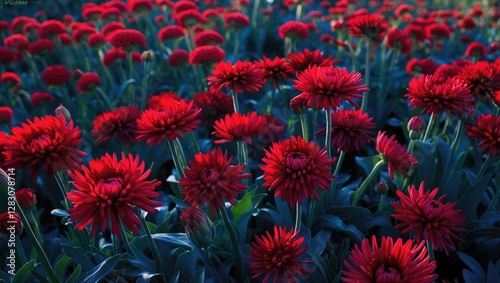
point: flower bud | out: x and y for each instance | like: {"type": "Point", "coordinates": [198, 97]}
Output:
{"type": "Point", "coordinates": [26, 198]}
{"type": "Point", "coordinates": [199, 228]}
{"type": "Point", "coordinates": [62, 111]}
{"type": "Point", "coordinates": [77, 74]}
{"type": "Point", "coordinates": [10, 223]}
{"type": "Point", "coordinates": [148, 56]}
{"type": "Point", "coordinates": [298, 105]}
{"type": "Point", "coordinates": [382, 187]}
{"type": "Point", "coordinates": [415, 127]}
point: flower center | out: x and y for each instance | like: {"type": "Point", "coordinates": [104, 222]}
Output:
{"type": "Point", "coordinates": [279, 260]}
{"type": "Point", "coordinates": [298, 166]}
{"type": "Point", "coordinates": [387, 274]}
{"type": "Point", "coordinates": [110, 190]}
{"type": "Point", "coordinates": [42, 144]}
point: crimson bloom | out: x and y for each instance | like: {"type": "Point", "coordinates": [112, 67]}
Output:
{"type": "Point", "coordinates": [155, 125]}
{"type": "Point", "coordinates": [41, 47]}
{"type": "Point", "coordinates": [238, 126]}
{"type": "Point", "coordinates": [389, 262]}
{"type": "Point", "coordinates": [10, 79]}
{"type": "Point", "coordinates": [372, 26]}
{"type": "Point", "coordinates": [170, 32]}
{"type": "Point", "coordinates": [275, 69]}
{"type": "Point", "coordinates": [482, 77]}
{"type": "Point", "coordinates": [26, 198]}
{"type": "Point", "coordinates": [50, 28]}
{"type": "Point", "coordinates": [48, 142]}
{"type": "Point", "coordinates": [113, 55]}
{"type": "Point", "coordinates": [488, 131]}
{"type": "Point", "coordinates": [238, 77]}
{"type": "Point", "coordinates": [88, 82]}
{"type": "Point", "coordinates": [56, 75]}
{"type": "Point", "coordinates": [6, 114]}
{"type": "Point", "coordinates": [162, 99]}
{"type": "Point", "coordinates": [294, 30]}
{"type": "Point", "coordinates": [121, 122]}
{"type": "Point", "coordinates": [351, 129]}
{"type": "Point", "coordinates": [178, 58]}
{"type": "Point", "coordinates": [214, 106]}
{"type": "Point", "coordinates": [208, 37]}
{"type": "Point", "coordinates": [210, 178]}
{"type": "Point", "coordinates": [427, 217]}
{"type": "Point", "coordinates": [421, 66]}
{"type": "Point", "coordinates": [278, 257]}
{"type": "Point", "coordinates": [302, 60]}
{"type": "Point", "coordinates": [17, 42]}
{"type": "Point", "coordinates": [39, 97]}
{"type": "Point", "coordinates": [476, 49]}
{"type": "Point", "coordinates": [294, 168]}
{"type": "Point", "coordinates": [397, 156]}
{"type": "Point", "coordinates": [206, 55]}
{"type": "Point", "coordinates": [435, 95]}
{"type": "Point", "coordinates": [127, 39]}
{"type": "Point", "coordinates": [325, 87]}
{"type": "Point", "coordinates": [109, 189]}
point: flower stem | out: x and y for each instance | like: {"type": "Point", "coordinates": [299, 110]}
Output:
{"type": "Point", "coordinates": [124, 237]}
{"type": "Point", "coordinates": [236, 42]}
{"type": "Point", "coordinates": [298, 12]}
{"type": "Point", "coordinates": [206, 251]}
{"type": "Point", "coordinates": [235, 100]}
{"type": "Point", "coordinates": [429, 127]}
{"type": "Point", "coordinates": [328, 138]}
{"type": "Point", "coordinates": [144, 85]}
{"type": "Point", "coordinates": [105, 97]}
{"type": "Point", "coordinates": [364, 101]}
{"type": "Point", "coordinates": [234, 240]}
{"type": "Point", "coordinates": [391, 75]}
{"type": "Point", "coordinates": [36, 245]}
{"type": "Point", "coordinates": [176, 159]}
{"type": "Point", "coordinates": [298, 217]}
{"type": "Point", "coordinates": [381, 202]}
{"type": "Point", "coordinates": [430, 250]}
{"type": "Point", "coordinates": [304, 126]}
{"type": "Point", "coordinates": [362, 188]}
{"type": "Point", "coordinates": [483, 168]}
{"type": "Point", "coordinates": [152, 247]}
{"type": "Point", "coordinates": [34, 223]}
{"type": "Point", "coordinates": [456, 138]}
{"type": "Point", "coordinates": [131, 76]}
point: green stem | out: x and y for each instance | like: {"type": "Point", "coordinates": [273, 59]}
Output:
{"type": "Point", "coordinates": [144, 84]}
{"type": "Point", "coordinates": [483, 168]}
{"type": "Point", "coordinates": [105, 98]}
{"type": "Point", "coordinates": [304, 126]}
{"type": "Point", "coordinates": [391, 76]}
{"type": "Point", "coordinates": [381, 202]}
{"type": "Point", "coordinates": [429, 127]}
{"type": "Point", "coordinates": [235, 100]}
{"type": "Point", "coordinates": [430, 250]}
{"type": "Point", "coordinates": [236, 42]}
{"type": "Point", "coordinates": [152, 247]}
{"type": "Point", "coordinates": [62, 187]}
{"type": "Point", "coordinates": [298, 217]}
{"type": "Point", "coordinates": [456, 138]}
{"type": "Point", "coordinates": [131, 76]}
{"type": "Point", "coordinates": [328, 138]}
{"type": "Point", "coordinates": [124, 238]}
{"type": "Point", "coordinates": [312, 212]}
{"type": "Point", "coordinates": [234, 240]}
{"type": "Point", "coordinates": [175, 157]}
{"type": "Point", "coordinates": [298, 12]}
{"type": "Point", "coordinates": [364, 101]}
{"type": "Point", "coordinates": [361, 189]}
{"type": "Point", "coordinates": [198, 79]}
{"type": "Point", "coordinates": [180, 152]}
{"type": "Point", "coordinates": [410, 172]}
{"type": "Point", "coordinates": [206, 251]}
{"type": "Point", "coordinates": [34, 224]}
{"type": "Point", "coordinates": [194, 142]}
{"type": "Point", "coordinates": [36, 245]}
{"type": "Point", "coordinates": [446, 123]}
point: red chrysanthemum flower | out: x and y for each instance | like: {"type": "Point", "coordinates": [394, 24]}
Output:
{"type": "Point", "coordinates": [111, 27]}
{"type": "Point", "coordinates": [26, 198]}
{"type": "Point", "coordinates": [399, 39]}
{"type": "Point", "coordinates": [50, 28]}
{"type": "Point", "coordinates": [56, 75]}
{"type": "Point", "coordinates": [16, 26]}
{"type": "Point", "coordinates": [391, 262]}
{"type": "Point", "coordinates": [325, 87]}
{"type": "Point", "coordinates": [188, 18]}
{"type": "Point", "coordinates": [127, 39]}
{"type": "Point", "coordinates": [48, 143]}
{"type": "Point", "coordinates": [140, 6]}
{"type": "Point", "coordinates": [483, 78]}
{"type": "Point", "coordinates": [170, 32]}
{"type": "Point", "coordinates": [88, 82]}
{"type": "Point", "coordinates": [91, 11]}
{"type": "Point", "coordinates": [372, 26]}
{"type": "Point", "coordinates": [294, 30]}
{"type": "Point", "coordinates": [467, 23]}
{"type": "Point", "coordinates": [208, 37]}
{"type": "Point", "coordinates": [160, 100]}
{"type": "Point", "coordinates": [168, 122]}
{"type": "Point", "coordinates": [112, 55]}
{"type": "Point", "coordinates": [438, 30]}
{"type": "Point", "coordinates": [235, 20]}
{"type": "Point", "coordinates": [294, 168]}
{"type": "Point", "coordinates": [42, 47]}
{"type": "Point", "coordinates": [395, 155]}
{"type": "Point", "coordinates": [488, 131]}
{"type": "Point", "coordinates": [421, 66]}
{"type": "Point", "coordinates": [208, 54]}
{"type": "Point", "coordinates": [278, 257]}
{"type": "Point", "coordinates": [40, 97]}
{"type": "Point", "coordinates": [214, 106]}
{"type": "Point", "coordinates": [4, 140]}
{"type": "Point", "coordinates": [435, 95]}
{"type": "Point", "coordinates": [6, 114]}
{"type": "Point", "coordinates": [210, 178]}
{"type": "Point", "coordinates": [10, 79]}
{"type": "Point", "coordinates": [96, 40]}
{"type": "Point", "coordinates": [238, 77]}
{"type": "Point", "coordinates": [351, 129]}
{"type": "Point", "coordinates": [177, 58]}
{"type": "Point", "coordinates": [121, 122]}
{"type": "Point", "coordinates": [65, 39]}
{"type": "Point", "coordinates": [108, 190]}
{"type": "Point", "coordinates": [475, 49]}
{"type": "Point", "coordinates": [17, 42]}
{"type": "Point", "coordinates": [7, 56]}
{"type": "Point", "coordinates": [82, 33]}
{"type": "Point", "coordinates": [430, 219]}
{"type": "Point", "coordinates": [447, 71]}
{"type": "Point", "coordinates": [275, 69]}
{"type": "Point", "coordinates": [238, 126]}
{"type": "Point", "coordinates": [273, 130]}
{"type": "Point", "coordinates": [302, 60]}
{"type": "Point", "coordinates": [110, 14]}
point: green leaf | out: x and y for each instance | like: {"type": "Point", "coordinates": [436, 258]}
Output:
{"type": "Point", "coordinates": [78, 255]}
{"type": "Point", "coordinates": [4, 277]}
{"type": "Point", "coordinates": [199, 276]}
{"type": "Point", "coordinates": [321, 265]}
{"type": "Point", "coordinates": [75, 275]}
{"type": "Point", "coordinates": [474, 266]}
{"type": "Point", "coordinates": [59, 212]}
{"type": "Point", "coordinates": [426, 168]}
{"type": "Point", "coordinates": [102, 269]}
{"type": "Point", "coordinates": [23, 274]}
{"type": "Point", "coordinates": [122, 90]}
{"type": "Point", "coordinates": [62, 266]}
{"type": "Point", "coordinates": [247, 203]}
{"type": "Point", "coordinates": [175, 239]}
{"type": "Point", "coordinates": [367, 163]}
{"type": "Point", "coordinates": [146, 277]}
{"type": "Point", "coordinates": [186, 264]}
{"type": "Point", "coordinates": [493, 272]}
{"type": "Point", "coordinates": [175, 278]}
{"type": "Point", "coordinates": [472, 197]}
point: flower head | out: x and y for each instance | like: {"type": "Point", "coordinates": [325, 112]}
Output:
{"type": "Point", "coordinates": [397, 156]}
{"type": "Point", "coordinates": [372, 26]}
{"type": "Point", "coordinates": [121, 122]}
{"type": "Point", "coordinates": [476, 49]}
{"type": "Point", "coordinates": [351, 129]}
{"type": "Point", "coordinates": [431, 219]}
{"type": "Point", "coordinates": [421, 66]}
{"type": "Point", "coordinates": [50, 28]}
{"type": "Point", "coordinates": [389, 262]}
{"type": "Point", "coordinates": [178, 58]}
{"type": "Point", "coordinates": [170, 32]}
{"type": "Point", "coordinates": [435, 95]}
{"type": "Point", "coordinates": [17, 42]}
{"type": "Point", "coordinates": [238, 126]}
{"type": "Point", "coordinates": [210, 178]}
{"type": "Point", "coordinates": [48, 143]}
{"type": "Point", "coordinates": [113, 55]}
{"type": "Point", "coordinates": [162, 99]}
{"type": "Point", "coordinates": [214, 106]}
{"type": "Point", "coordinates": [108, 190]}
{"type": "Point", "coordinates": [482, 77]}
{"type": "Point", "coordinates": [199, 228]}
{"type": "Point", "coordinates": [294, 30]}
{"type": "Point", "coordinates": [235, 20]}
{"type": "Point", "coordinates": [238, 77]}
{"type": "Point", "coordinates": [40, 97]}
{"type": "Point", "coordinates": [88, 82]}
{"type": "Point", "coordinates": [275, 69]}
{"type": "Point", "coordinates": [278, 256]}
{"type": "Point", "coordinates": [26, 198]}
{"type": "Point", "coordinates": [302, 60]}
{"type": "Point", "coordinates": [488, 131]}
{"type": "Point", "coordinates": [6, 114]}
{"type": "Point", "coordinates": [9, 79]}
{"type": "Point", "coordinates": [325, 87]}
{"type": "Point", "coordinates": [41, 47]}
{"type": "Point", "coordinates": [56, 75]}
{"type": "Point", "coordinates": [208, 37]}
{"type": "Point", "coordinates": [207, 54]}
{"type": "Point", "coordinates": [155, 125]}
{"type": "Point", "coordinates": [294, 168]}
{"type": "Point", "coordinates": [127, 39]}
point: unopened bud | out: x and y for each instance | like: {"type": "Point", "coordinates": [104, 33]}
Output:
{"type": "Point", "coordinates": [26, 198]}
{"type": "Point", "coordinates": [148, 56]}
{"type": "Point", "coordinates": [298, 105]}
{"type": "Point", "coordinates": [10, 223]}
{"type": "Point", "coordinates": [77, 74]}
{"type": "Point", "coordinates": [415, 127]}
{"type": "Point", "coordinates": [62, 111]}
{"type": "Point", "coordinates": [382, 187]}
{"type": "Point", "coordinates": [199, 228]}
